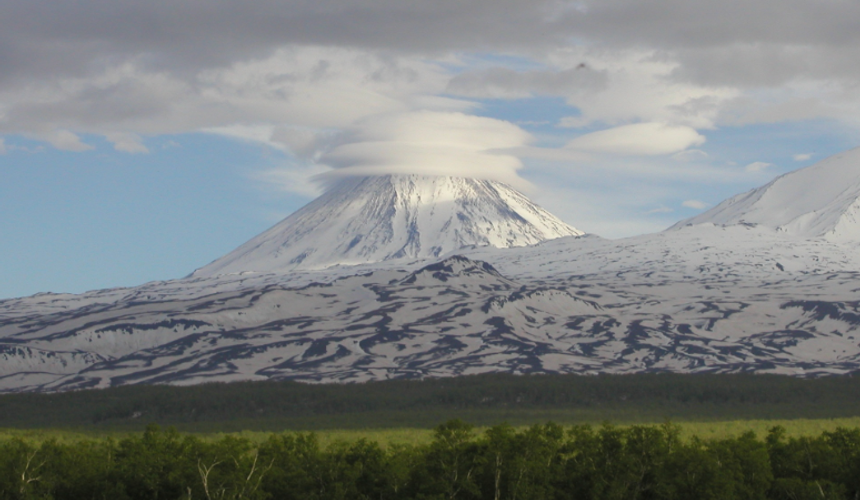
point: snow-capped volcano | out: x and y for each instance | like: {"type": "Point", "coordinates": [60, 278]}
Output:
{"type": "Point", "coordinates": [822, 200]}
{"type": "Point", "coordinates": [372, 219]}
{"type": "Point", "coordinates": [731, 294]}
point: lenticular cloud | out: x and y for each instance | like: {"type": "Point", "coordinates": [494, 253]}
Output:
{"type": "Point", "coordinates": [429, 143]}
{"type": "Point", "coordinates": [639, 139]}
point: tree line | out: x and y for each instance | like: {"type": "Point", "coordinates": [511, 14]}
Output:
{"type": "Point", "coordinates": [542, 462]}
{"type": "Point", "coordinates": [271, 405]}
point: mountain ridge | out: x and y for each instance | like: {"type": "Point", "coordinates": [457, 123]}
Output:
{"type": "Point", "coordinates": [819, 201]}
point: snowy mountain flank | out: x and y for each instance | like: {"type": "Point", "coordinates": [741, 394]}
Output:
{"type": "Point", "coordinates": [818, 201]}
{"type": "Point", "coordinates": [458, 276]}
{"type": "Point", "coordinates": [373, 219]}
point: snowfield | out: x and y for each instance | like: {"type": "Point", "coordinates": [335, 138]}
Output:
{"type": "Point", "coordinates": [755, 285]}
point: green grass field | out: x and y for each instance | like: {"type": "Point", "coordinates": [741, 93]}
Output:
{"type": "Point", "coordinates": [718, 429]}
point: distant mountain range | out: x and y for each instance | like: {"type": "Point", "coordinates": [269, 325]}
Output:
{"type": "Point", "coordinates": [416, 276]}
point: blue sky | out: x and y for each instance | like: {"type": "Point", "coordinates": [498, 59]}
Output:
{"type": "Point", "coordinates": [133, 151]}
{"type": "Point", "coordinates": [104, 218]}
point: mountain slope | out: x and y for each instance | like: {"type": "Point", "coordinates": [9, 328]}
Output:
{"type": "Point", "coordinates": [822, 200]}
{"type": "Point", "coordinates": [751, 286]}
{"type": "Point", "coordinates": [458, 316]}
{"type": "Point", "coordinates": [374, 219]}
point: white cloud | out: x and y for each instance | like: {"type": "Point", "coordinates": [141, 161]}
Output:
{"type": "Point", "coordinates": [326, 65]}
{"type": "Point", "coordinates": [506, 83]}
{"type": "Point", "coordinates": [638, 139]}
{"type": "Point", "coordinates": [293, 179]}
{"type": "Point", "coordinates": [793, 102]}
{"type": "Point", "coordinates": [757, 166]}
{"type": "Point", "coordinates": [128, 143]}
{"type": "Point", "coordinates": [639, 88]}
{"type": "Point", "coordinates": [261, 133]}
{"type": "Point", "coordinates": [653, 168]}
{"type": "Point", "coordinates": [801, 156]}
{"type": "Point", "coordinates": [696, 204]}
{"type": "Point", "coordinates": [607, 85]}
{"type": "Point", "coordinates": [430, 143]}
{"type": "Point", "coordinates": [347, 84]}
{"type": "Point", "coordinates": [690, 155]}
{"type": "Point", "coordinates": [305, 143]}
{"type": "Point", "coordinates": [2, 146]}
{"type": "Point", "coordinates": [294, 87]}
{"type": "Point", "coordinates": [67, 141]}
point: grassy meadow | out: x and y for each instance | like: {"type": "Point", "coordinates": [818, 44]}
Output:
{"type": "Point", "coordinates": [406, 411]}
{"type": "Point", "coordinates": [719, 429]}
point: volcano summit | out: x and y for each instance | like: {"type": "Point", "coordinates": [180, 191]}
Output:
{"type": "Point", "coordinates": [372, 219]}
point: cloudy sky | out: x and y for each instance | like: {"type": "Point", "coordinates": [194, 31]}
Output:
{"type": "Point", "coordinates": [141, 140]}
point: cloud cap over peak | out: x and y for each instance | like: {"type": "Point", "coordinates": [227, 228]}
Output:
{"type": "Point", "coordinates": [429, 143]}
